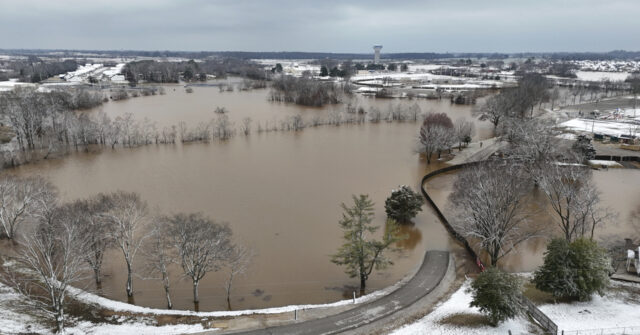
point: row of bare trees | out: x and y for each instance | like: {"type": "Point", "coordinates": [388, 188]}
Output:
{"type": "Point", "coordinates": [64, 244]}
{"type": "Point", "coordinates": [438, 134]}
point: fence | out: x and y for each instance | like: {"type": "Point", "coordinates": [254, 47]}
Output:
{"type": "Point", "coordinates": [549, 326]}
{"type": "Point", "coordinates": [603, 331]}
{"type": "Point", "coordinates": [617, 158]}
{"type": "Point", "coordinates": [544, 321]}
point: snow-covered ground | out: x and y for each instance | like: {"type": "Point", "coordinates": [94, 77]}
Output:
{"type": "Point", "coordinates": [15, 321]}
{"type": "Point", "coordinates": [442, 320]}
{"type": "Point", "coordinates": [604, 127]}
{"type": "Point", "coordinates": [600, 76]}
{"type": "Point", "coordinates": [13, 83]}
{"type": "Point", "coordinates": [620, 307]}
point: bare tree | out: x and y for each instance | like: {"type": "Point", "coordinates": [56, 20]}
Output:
{"type": "Point", "coordinates": [128, 214]}
{"type": "Point", "coordinates": [160, 253]}
{"type": "Point", "coordinates": [222, 127]}
{"type": "Point", "coordinates": [436, 135]}
{"type": "Point", "coordinates": [97, 228]}
{"type": "Point", "coordinates": [246, 125]}
{"type": "Point", "coordinates": [19, 200]}
{"type": "Point", "coordinates": [202, 245]}
{"type": "Point", "coordinates": [490, 200]}
{"type": "Point", "coordinates": [53, 259]}
{"type": "Point", "coordinates": [574, 200]}
{"type": "Point", "coordinates": [238, 261]}
{"type": "Point", "coordinates": [463, 130]}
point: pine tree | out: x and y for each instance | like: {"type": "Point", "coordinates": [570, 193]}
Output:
{"type": "Point", "coordinates": [403, 204]}
{"type": "Point", "coordinates": [360, 254]}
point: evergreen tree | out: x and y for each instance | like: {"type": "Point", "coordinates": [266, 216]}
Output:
{"type": "Point", "coordinates": [403, 204]}
{"type": "Point", "coordinates": [573, 270]}
{"type": "Point", "coordinates": [497, 294]}
{"type": "Point", "coordinates": [323, 71]}
{"type": "Point", "coordinates": [360, 254]}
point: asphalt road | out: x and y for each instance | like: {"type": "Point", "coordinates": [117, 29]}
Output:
{"type": "Point", "coordinates": [431, 272]}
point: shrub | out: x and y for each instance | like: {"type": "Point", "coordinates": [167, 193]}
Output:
{"type": "Point", "coordinates": [573, 270]}
{"type": "Point", "coordinates": [403, 204]}
{"type": "Point", "coordinates": [497, 294]}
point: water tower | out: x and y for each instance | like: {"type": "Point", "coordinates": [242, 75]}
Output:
{"type": "Point", "coordinates": [376, 55]}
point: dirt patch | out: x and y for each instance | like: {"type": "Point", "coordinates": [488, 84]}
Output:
{"type": "Point", "coordinates": [470, 320]}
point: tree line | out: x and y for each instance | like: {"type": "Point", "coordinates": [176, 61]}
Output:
{"type": "Point", "coordinates": [63, 244]}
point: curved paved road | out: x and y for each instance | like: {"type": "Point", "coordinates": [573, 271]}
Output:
{"type": "Point", "coordinates": [433, 269]}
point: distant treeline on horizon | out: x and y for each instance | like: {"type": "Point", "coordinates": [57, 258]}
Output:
{"type": "Point", "coordinates": [610, 55]}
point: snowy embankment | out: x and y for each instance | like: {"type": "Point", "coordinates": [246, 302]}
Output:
{"type": "Point", "coordinates": [14, 320]}
{"type": "Point", "coordinates": [455, 317]}
{"type": "Point", "coordinates": [117, 306]}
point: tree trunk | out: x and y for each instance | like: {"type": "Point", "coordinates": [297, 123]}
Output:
{"type": "Point", "coordinates": [166, 292]}
{"type": "Point", "coordinates": [195, 291]}
{"type": "Point", "coordinates": [96, 274]}
{"type": "Point", "coordinates": [59, 314]}
{"type": "Point", "coordinates": [129, 281]}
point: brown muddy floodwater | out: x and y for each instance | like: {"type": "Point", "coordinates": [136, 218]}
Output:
{"type": "Point", "coordinates": [619, 191]}
{"type": "Point", "coordinates": [280, 192]}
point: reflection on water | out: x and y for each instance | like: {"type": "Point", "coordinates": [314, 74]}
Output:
{"type": "Point", "coordinates": [413, 234]}
{"type": "Point", "coordinates": [280, 193]}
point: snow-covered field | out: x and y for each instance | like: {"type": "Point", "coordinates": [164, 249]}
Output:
{"type": "Point", "coordinates": [604, 127]}
{"type": "Point", "coordinates": [600, 76]}
{"type": "Point", "coordinates": [457, 307]}
{"type": "Point", "coordinates": [620, 307]}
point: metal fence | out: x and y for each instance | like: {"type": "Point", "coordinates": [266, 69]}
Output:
{"type": "Point", "coordinates": [549, 326]}
{"type": "Point", "coordinates": [603, 331]}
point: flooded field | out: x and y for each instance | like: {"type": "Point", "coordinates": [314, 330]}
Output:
{"type": "Point", "coordinates": [280, 192]}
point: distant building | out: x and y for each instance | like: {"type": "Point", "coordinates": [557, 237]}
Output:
{"type": "Point", "coordinates": [376, 55]}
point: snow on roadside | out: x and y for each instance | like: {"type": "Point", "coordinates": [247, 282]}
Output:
{"type": "Point", "coordinates": [458, 303]}
{"type": "Point", "coordinates": [132, 328]}
{"type": "Point", "coordinates": [618, 308]}
{"type": "Point", "coordinates": [118, 306]}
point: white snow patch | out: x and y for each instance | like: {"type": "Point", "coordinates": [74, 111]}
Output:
{"type": "Point", "coordinates": [596, 162]}
{"type": "Point", "coordinates": [132, 328]}
{"type": "Point", "coordinates": [618, 308]}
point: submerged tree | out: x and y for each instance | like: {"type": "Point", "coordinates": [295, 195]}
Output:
{"type": "Point", "coordinates": [202, 244]}
{"type": "Point", "coordinates": [436, 135]}
{"type": "Point", "coordinates": [361, 254]}
{"type": "Point", "coordinates": [20, 199]}
{"type": "Point", "coordinates": [574, 200]}
{"type": "Point", "coordinates": [160, 254]}
{"type": "Point", "coordinates": [403, 204]}
{"type": "Point", "coordinates": [128, 214]}
{"type": "Point", "coordinates": [238, 261]}
{"type": "Point", "coordinates": [491, 202]}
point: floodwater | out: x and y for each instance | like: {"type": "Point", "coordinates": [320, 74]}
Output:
{"type": "Point", "coordinates": [619, 192]}
{"type": "Point", "coordinates": [280, 192]}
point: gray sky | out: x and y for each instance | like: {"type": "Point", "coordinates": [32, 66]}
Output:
{"type": "Point", "coordinates": [322, 25]}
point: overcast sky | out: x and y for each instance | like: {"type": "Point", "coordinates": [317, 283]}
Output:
{"type": "Point", "coordinates": [322, 25]}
